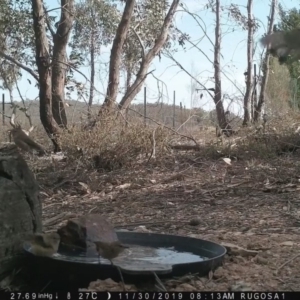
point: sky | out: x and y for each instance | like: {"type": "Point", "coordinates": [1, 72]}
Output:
{"type": "Point", "coordinates": [233, 61]}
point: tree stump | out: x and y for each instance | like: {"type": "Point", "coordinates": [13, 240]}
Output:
{"type": "Point", "coordinates": [20, 205]}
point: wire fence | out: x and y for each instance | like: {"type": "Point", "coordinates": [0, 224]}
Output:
{"type": "Point", "coordinates": [174, 115]}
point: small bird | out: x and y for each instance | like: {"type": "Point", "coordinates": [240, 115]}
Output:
{"type": "Point", "coordinates": [44, 244]}
{"type": "Point", "coordinates": [110, 251]}
{"type": "Point", "coordinates": [282, 44]}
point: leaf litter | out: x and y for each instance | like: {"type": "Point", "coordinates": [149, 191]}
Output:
{"type": "Point", "coordinates": [253, 207]}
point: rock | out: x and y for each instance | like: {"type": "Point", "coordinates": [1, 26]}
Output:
{"type": "Point", "coordinates": [20, 205]}
{"type": "Point", "coordinates": [195, 222]}
{"type": "Point", "coordinates": [82, 232]}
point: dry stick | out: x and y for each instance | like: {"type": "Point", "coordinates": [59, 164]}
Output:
{"type": "Point", "coordinates": [45, 286]}
{"type": "Point", "coordinates": [22, 66]}
{"type": "Point", "coordinates": [189, 118]}
{"type": "Point", "coordinates": [196, 17]}
{"type": "Point", "coordinates": [284, 264]}
{"type": "Point", "coordinates": [161, 285]}
{"type": "Point", "coordinates": [160, 124]}
{"type": "Point", "coordinates": [6, 116]}
{"type": "Point", "coordinates": [120, 273]}
{"type": "Point", "coordinates": [50, 221]}
{"type": "Point", "coordinates": [26, 109]}
{"type": "Point", "coordinates": [154, 144]}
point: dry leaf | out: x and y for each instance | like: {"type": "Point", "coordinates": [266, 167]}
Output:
{"type": "Point", "coordinates": [227, 160]}
{"type": "Point", "coordinates": [124, 186]}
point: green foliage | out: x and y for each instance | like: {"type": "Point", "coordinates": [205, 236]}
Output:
{"type": "Point", "coordinates": [16, 39]}
{"type": "Point", "coordinates": [95, 26]}
{"type": "Point", "coordinates": [242, 20]}
{"type": "Point", "coordinates": [147, 22]}
{"type": "Point", "coordinates": [290, 20]}
{"type": "Point", "coordinates": [96, 20]}
{"type": "Point", "coordinates": [279, 94]}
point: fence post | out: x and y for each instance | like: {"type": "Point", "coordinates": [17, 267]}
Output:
{"type": "Point", "coordinates": [255, 92]}
{"type": "Point", "coordinates": [181, 119]}
{"type": "Point", "coordinates": [174, 99]}
{"type": "Point", "coordinates": [3, 109]}
{"type": "Point", "coordinates": [145, 104]}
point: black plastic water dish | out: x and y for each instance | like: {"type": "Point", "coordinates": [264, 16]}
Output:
{"type": "Point", "coordinates": [166, 255]}
{"type": "Point", "coordinates": [210, 254]}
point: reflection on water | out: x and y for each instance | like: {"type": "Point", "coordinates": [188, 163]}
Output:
{"type": "Point", "coordinates": [134, 255]}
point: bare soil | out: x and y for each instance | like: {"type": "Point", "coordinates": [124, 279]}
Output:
{"type": "Point", "coordinates": [253, 204]}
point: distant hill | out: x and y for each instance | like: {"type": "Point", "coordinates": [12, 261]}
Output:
{"type": "Point", "coordinates": [160, 112]}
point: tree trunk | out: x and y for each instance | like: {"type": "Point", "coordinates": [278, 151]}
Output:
{"type": "Point", "coordinates": [248, 93]}
{"type": "Point", "coordinates": [59, 66]}
{"type": "Point", "coordinates": [135, 88]}
{"type": "Point", "coordinates": [20, 206]}
{"type": "Point", "coordinates": [226, 128]}
{"type": "Point", "coordinates": [44, 70]}
{"type": "Point", "coordinates": [254, 94]}
{"type": "Point", "coordinates": [265, 67]}
{"type": "Point", "coordinates": [92, 79]}
{"type": "Point", "coordinates": [115, 57]}
{"type": "Point", "coordinates": [128, 79]}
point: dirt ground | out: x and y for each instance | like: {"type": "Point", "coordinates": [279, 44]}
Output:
{"type": "Point", "coordinates": [253, 204]}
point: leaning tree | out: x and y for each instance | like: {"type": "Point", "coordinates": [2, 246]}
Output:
{"type": "Point", "coordinates": [29, 40]}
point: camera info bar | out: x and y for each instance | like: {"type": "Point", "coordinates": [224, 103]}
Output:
{"type": "Point", "coordinates": [150, 296]}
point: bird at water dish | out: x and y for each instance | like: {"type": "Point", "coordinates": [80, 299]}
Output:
{"type": "Point", "coordinates": [110, 251]}
{"type": "Point", "coordinates": [44, 244]}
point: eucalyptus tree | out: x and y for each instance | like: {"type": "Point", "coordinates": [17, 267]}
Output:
{"type": "Point", "coordinates": [95, 26]}
{"type": "Point", "coordinates": [142, 33]}
{"type": "Point", "coordinates": [15, 42]}
{"type": "Point", "coordinates": [40, 50]}
{"type": "Point", "coordinates": [146, 24]}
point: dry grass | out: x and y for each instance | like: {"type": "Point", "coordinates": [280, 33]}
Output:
{"type": "Point", "coordinates": [112, 144]}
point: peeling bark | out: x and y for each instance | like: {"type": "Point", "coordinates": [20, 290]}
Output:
{"type": "Point", "coordinates": [265, 67]}
{"type": "Point", "coordinates": [44, 70]}
{"type": "Point", "coordinates": [224, 125]}
{"type": "Point", "coordinates": [249, 85]}
{"type": "Point", "coordinates": [135, 88]}
{"type": "Point", "coordinates": [92, 79]}
{"type": "Point", "coordinates": [115, 57]}
{"type": "Point", "coordinates": [60, 40]}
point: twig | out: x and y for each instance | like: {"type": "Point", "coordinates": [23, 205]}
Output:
{"type": "Point", "coordinates": [48, 23]}
{"type": "Point", "coordinates": [287, 262]}
{"type": "Point", "coordinates": [158, 123]}
{"type": "Point", "coordinates": [141, 43]}
{"type": "Point", "coordinates": [153, 146]}
{"type": "Point", "coordinates": [52, 221]}
{"type": "Point", "coordinates": [45, 286]}
{"type": "Point", "coordinates": [11, 59]}
{"type": "Point", "coordinates": [25, 109]}
{"type": "Point", "coordinates": [161, 285]}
